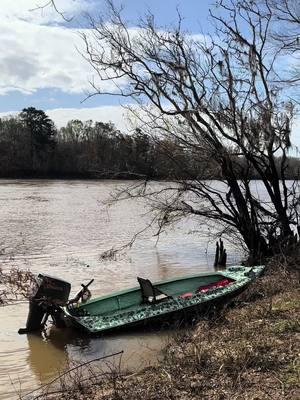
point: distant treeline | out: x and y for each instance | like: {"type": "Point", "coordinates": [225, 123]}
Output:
{"type": "Point", "coordinates": [31, 146]}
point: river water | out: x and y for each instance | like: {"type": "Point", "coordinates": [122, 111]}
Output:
{"type": "Point", "coordinates": [61, 228]}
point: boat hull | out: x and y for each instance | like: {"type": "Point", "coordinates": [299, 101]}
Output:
{"type": "Point", "coordinates": [174, 319]}
{"type": "Point", "coordinates": [173, 311]}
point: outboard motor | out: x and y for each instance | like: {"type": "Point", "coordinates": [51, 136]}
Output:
{"type": "Point", "coordinates": [49, 295]}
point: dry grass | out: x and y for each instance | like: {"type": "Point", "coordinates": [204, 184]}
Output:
{"type": "Point", "coordinates": [250, 351]}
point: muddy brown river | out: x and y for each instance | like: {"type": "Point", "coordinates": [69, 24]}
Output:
{"type": "Point", "coordinates": [61, 228]}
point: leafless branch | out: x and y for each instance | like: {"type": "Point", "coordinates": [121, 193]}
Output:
{"type": "Point", "coordinates": [51, 3]}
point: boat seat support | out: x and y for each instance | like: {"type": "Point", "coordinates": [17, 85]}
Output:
{"type": "Point", "coordinates": [150, 293]}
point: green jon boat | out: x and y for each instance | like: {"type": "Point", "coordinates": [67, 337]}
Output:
{"type": "Point", "coordinates": [169, 300]}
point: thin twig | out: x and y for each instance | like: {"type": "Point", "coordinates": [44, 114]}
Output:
{"type": "Point", "coordinates": [52, 4]}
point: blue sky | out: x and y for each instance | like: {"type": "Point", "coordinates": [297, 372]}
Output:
{"type": "Point", "coordinates": [41, 66]}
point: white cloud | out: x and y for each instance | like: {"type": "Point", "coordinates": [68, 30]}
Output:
{"type": "Point", "coordinates": [61, 116]}
{"type": "Point", "coordinates": [38, 12]}
{"type": "Point", "coordinates": [37, 56]}
{"type": "Point", "coordinates": [115, 114]}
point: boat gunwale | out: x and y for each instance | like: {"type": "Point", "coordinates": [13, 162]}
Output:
{"type": "Point", "coordinates": [225, 273]}
{"type": "Point", "coordinates": [201, 297]}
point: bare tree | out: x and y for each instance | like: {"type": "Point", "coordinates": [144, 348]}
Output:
{"type": "Point", "coordinates": [222, 97]}
{"type": "Point", "coordinates": [287, 14]}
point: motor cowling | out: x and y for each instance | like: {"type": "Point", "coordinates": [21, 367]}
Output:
{"type": "Point", "coordinates": [48, 296]}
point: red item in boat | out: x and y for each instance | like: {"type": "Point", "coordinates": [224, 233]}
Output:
{"type": "Point", "coordinates": [186, 295]}
{"type": "Point", "coordinates": [206, 288]}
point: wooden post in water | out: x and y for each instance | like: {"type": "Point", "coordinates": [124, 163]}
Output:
{"type": "Point", "coordinates": [220, 256]}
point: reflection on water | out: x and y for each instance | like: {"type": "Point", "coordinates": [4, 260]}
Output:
{"type": "Point", "coordinates": [47, 355]}
{"type": "Point", "coordinates": [61, 228]}
{"type": "Point", "coordinates": [50, 353]}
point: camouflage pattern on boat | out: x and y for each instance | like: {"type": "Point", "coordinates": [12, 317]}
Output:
{"type": "Point", "coordinates": [93, 319]}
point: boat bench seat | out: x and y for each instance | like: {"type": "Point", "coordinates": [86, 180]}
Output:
{"type": "Point", "coordinates": [150, 293]}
